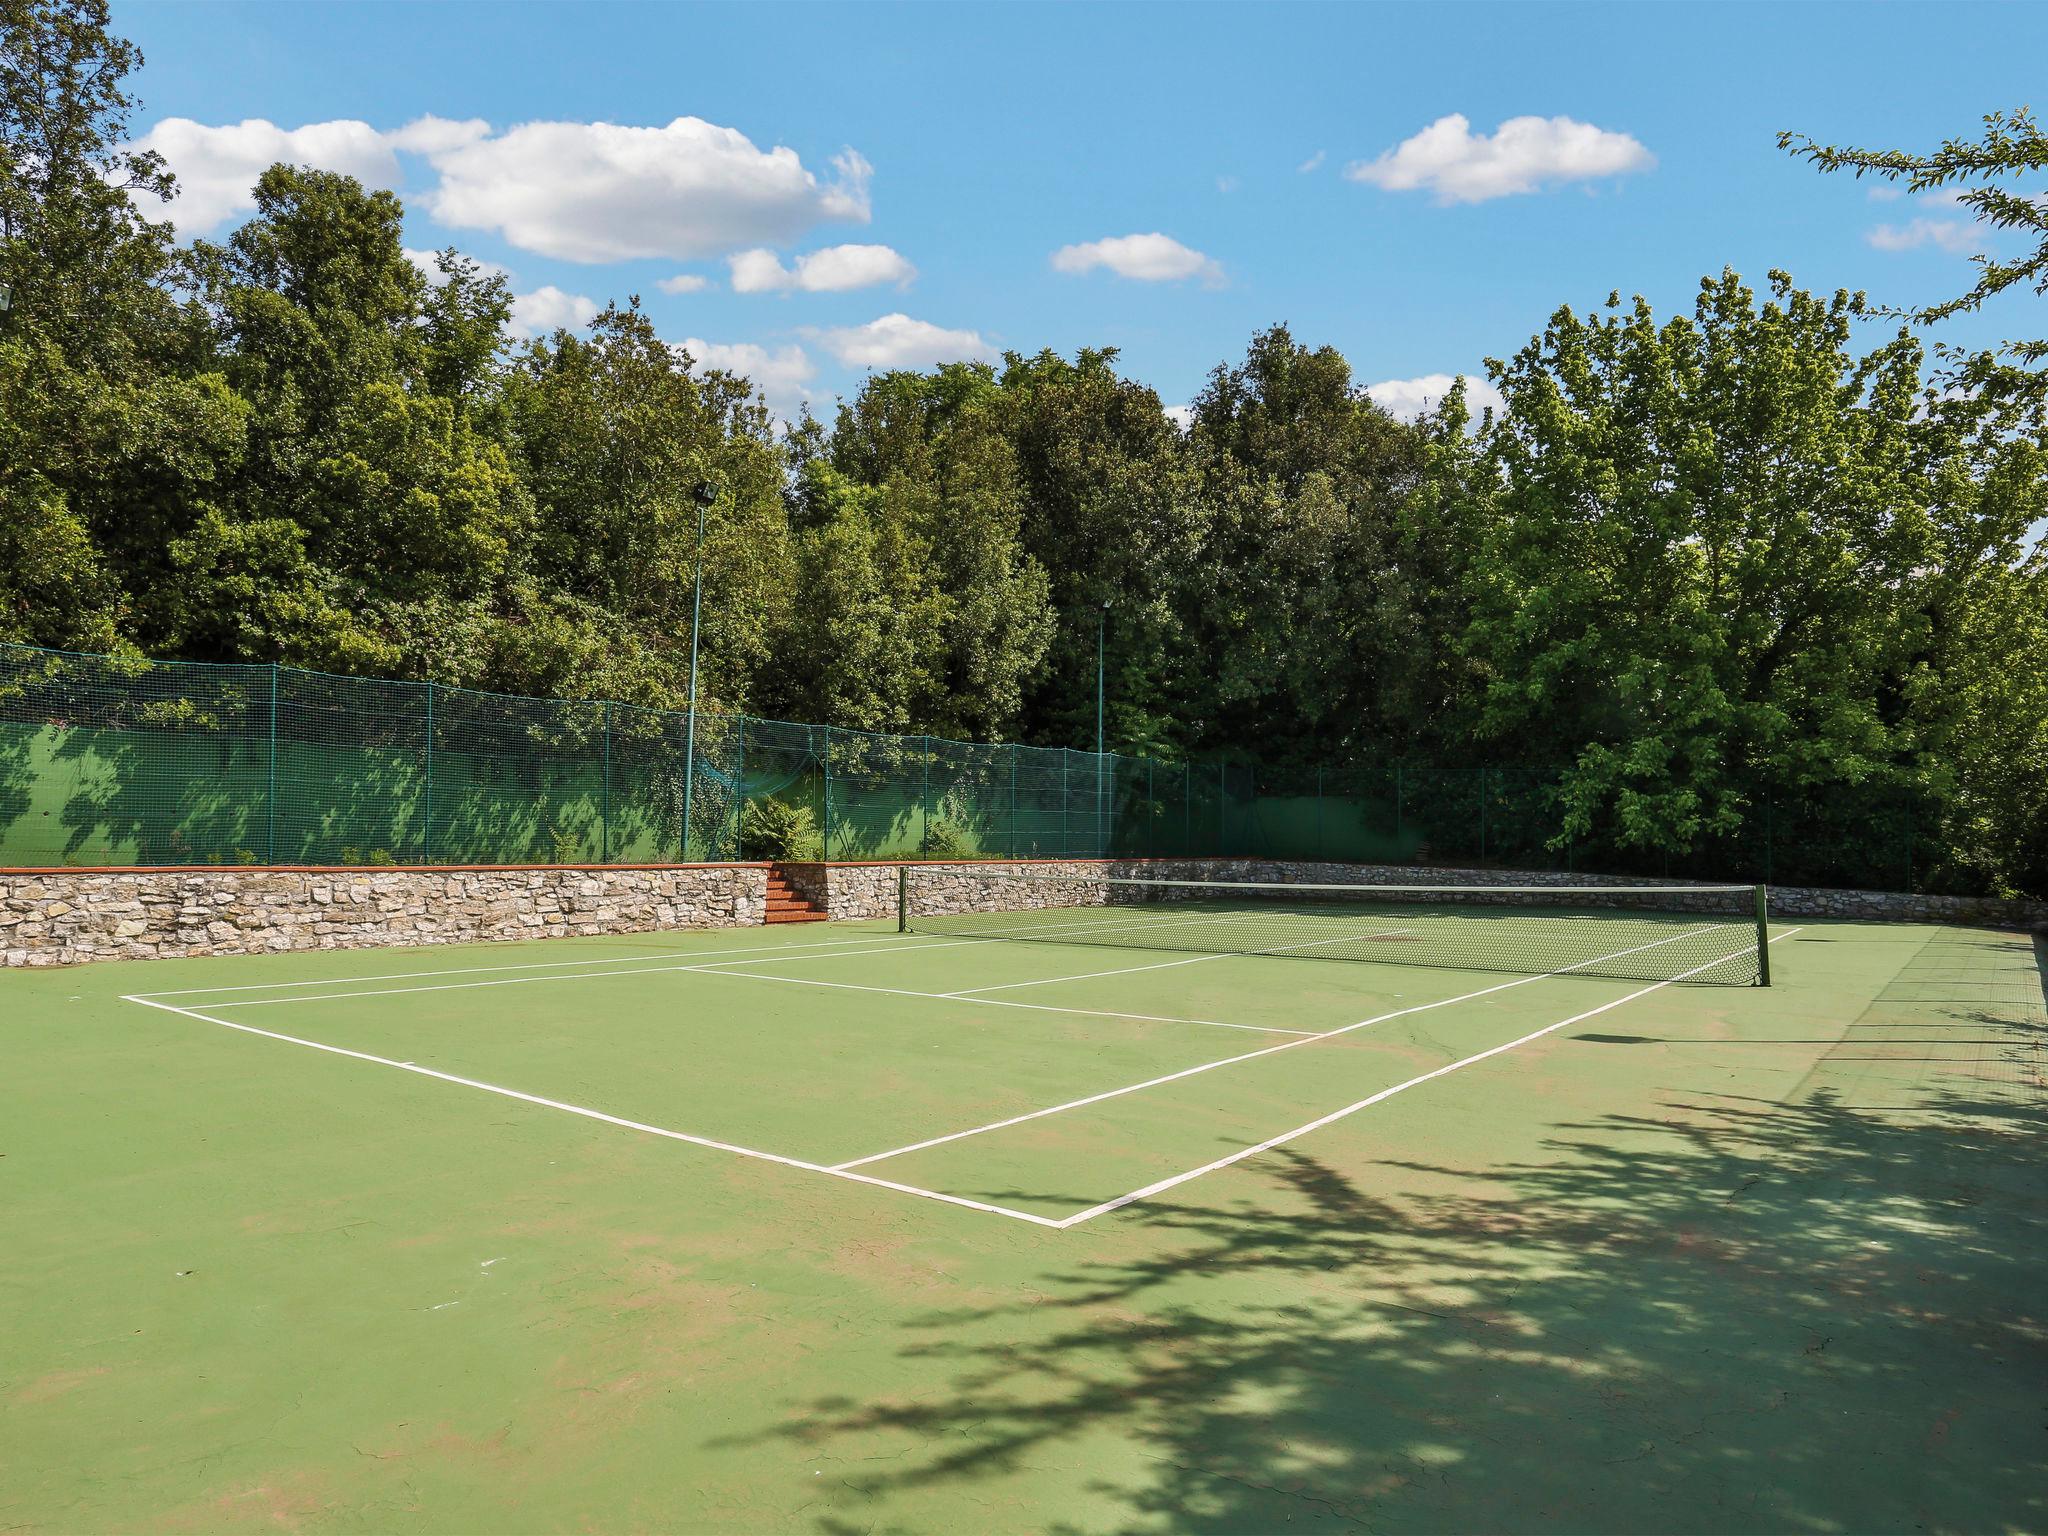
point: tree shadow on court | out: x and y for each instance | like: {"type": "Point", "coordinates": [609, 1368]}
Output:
{"type": "Point", "coordinates": [1720, 1314]}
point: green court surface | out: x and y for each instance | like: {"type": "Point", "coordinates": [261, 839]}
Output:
{"type": "Point", "coordinates": [829, 1229]}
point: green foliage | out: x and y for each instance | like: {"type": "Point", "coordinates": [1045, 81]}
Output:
{"type": "Point", "coordinates": [779, 829]}
{"type": "Point", "coordinates": [1705, 565]}
{"type": "Point", "coordinates": [2012, 146]}
{"type": "Point", "coordinates": [945, 838]}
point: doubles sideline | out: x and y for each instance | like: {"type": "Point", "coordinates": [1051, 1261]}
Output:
{"type": "Point", "coordinates": [848, 1170]}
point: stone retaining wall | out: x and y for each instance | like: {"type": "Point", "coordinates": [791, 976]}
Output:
{"type": "Point", "coordinates": [869, 890]}
{"type": "Point", "coordinates": [60, 917]}
{"type": "Point", "coordinates": [63, 917]}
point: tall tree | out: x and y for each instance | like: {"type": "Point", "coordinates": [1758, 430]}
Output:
{"type": "Point", "coordinates": [2012, 145]}
{"type": "Point", "coordinates": [1728, 561]}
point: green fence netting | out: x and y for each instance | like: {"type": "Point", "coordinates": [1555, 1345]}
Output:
{"type": "Point", "coordinates": [111, 760]}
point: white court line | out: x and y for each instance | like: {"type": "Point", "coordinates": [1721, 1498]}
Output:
{"type": "Point", "coordinates": [1378, 1098]}
{"type": "Point", "coordinates": [1286, 1045]}
{"type": "Point", "coordinates": [1163, 965]}
{"type": "Point", "coordinates": [729, 968]}
{"type": "Point", "coordinates": [594, 1114]}
{"type": "Point", "coordinates": [997, 1002]}
{"type": "Point", "coordinates": [713, 968]}
{"type": "Point", "coordinates": [539, 965]}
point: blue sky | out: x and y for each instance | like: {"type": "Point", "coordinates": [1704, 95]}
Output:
{"type": "Point", "coordinates": [968, 178]}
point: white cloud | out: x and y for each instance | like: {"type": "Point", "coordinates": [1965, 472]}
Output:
{"type": "Point", "coordinates": [548, 309]}
{"type": "Point", "coordinates": [1956, 236]}
{"type": "Point", "coordinates": [1182, 416]}
{"type": "Point", "coordinates": [217, 167]}
{"type": "Point", "coordinates": [897, 341]}
{"type": "Point", "coordinates": [1153, 258]}
{"type": "Point", "coordinates": [598, 192]}
{"type": "Point", "coordinates": [1226, 184]}
{"type": "Point", "coordinates": [1522, 155]}
{"type": "Point", "coordinates": [1413, 398]}
{"type": "Point", "coordinates": [576, 191]}
{"type": "Point", "coordinates": [684, 282]}
{"type": "Point", "coordinates": [783, 375]}
{"type": "Point", "coordinates": [836, 269]}
{"type": "Point", "coordinates": [1314, 162]}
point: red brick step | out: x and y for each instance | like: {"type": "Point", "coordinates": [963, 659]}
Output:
{"type": "Point", "coordinates": [786, 904]}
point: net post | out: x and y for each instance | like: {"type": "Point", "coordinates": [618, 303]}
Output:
{"type": "Point", "coordinates": [903, 898]}
{"type": "Point", "coordinates": [1763, 936]}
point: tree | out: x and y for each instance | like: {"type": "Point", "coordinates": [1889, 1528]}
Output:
{"type": "Point", "coordinates": [1731, 561]}
{"type": "Point", "coordinates": [1111, 510]}
{"type": "Point", "coordinates": [107, 430]}
{"type": "Point", "coordinates": [613, 434]}
{"type": "Point", "coordinates": [934, 447]}
{"type": "Point", "coordinates": [1302, 604]}
{"type": "Point", "coordinates": [2012, 145]}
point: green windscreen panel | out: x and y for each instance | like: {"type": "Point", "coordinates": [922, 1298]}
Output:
{"type": "Point", "coordinates": [122, 760]}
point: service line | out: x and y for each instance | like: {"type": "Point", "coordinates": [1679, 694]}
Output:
{"type": "Point", "coordinates": [1378, 1098]}
{"type": "Point", "coordinates": [1286, 1045]}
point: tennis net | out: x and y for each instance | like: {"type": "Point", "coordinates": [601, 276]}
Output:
{"type": "Point", "coordinates": [1710, 934]}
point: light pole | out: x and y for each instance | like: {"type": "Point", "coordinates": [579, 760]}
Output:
{"type": "Point", "coordinates": [703, 493]}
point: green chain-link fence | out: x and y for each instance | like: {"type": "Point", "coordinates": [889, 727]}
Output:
{"type": "Point", "coordinates": [108, 760]}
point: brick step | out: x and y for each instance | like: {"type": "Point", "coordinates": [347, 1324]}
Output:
{"type": "Point", "coordinates": [786, 904]}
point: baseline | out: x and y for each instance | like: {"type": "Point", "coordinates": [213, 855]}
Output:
{"type": "Point", "coordinates": [597, 1114]}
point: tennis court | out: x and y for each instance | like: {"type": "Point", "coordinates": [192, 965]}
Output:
{"type": "Point", "coordinates": [1168, 1213]}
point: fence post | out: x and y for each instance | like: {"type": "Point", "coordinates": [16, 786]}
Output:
{"type": "Point", "coordinates": [1151, 813]}
{"type": "Point", "coordinates": [1909, 849]}
{"type": "Point", "coordinates": [1397, 801]}
{"type": "Point", "coordinates": [1482, 815]}
{"type": "Point", "coordinates": [924, 797]}
{"type": "Point", "coordinates": [1319, 813]}
{"type": "Point", "coordinates": [1768, 877]}
{"type": "Point", "coordinates": [1066, 808]}
{"type": "Point", "coordinates": [1187, 810]}
{"type": "Point", "coordinates": [604, 814]}
{"type": "Point", "coordinates": [427, 823]}
{"type": "Point", "coordinates": [825, 767]}
{"type": "Point", "coordinates": [739, 787]}
{"type": "Point", "coordinates": [270, 802]}
{"type": "Point", "coordinates": [1013, 800]}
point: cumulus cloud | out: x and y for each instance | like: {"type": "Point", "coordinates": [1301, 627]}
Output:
{"type": "Point", "coordinates": [596, 192]}
{"type": "Point", "coordinates": [1411, 399]}
{"type": "Point", "coordinates": [782, 374]}
{"type": "Point", "coordinates": [1956, 236]}
{"type": "Point", "coordinates": [217, 166]}
{"type": "Point", "coordinates": [1522, 155]}
{"type": "Point", "coordinates": [897, 341]}
{"type": "Point", "coordinates": [1314, 162]}
{"type": "Point", "coordinates": [548, 309]}
{"type": "Point", "coordinates": [836, 269]}
{"type": "Point", "coordinates": [1182, 416]}
{"type": "Point", "coordinates": [587, 192]}
{"type": "Point", "coordinates": [1153, 258]}
{"type": "Point", "coordinates": [684, 282]}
